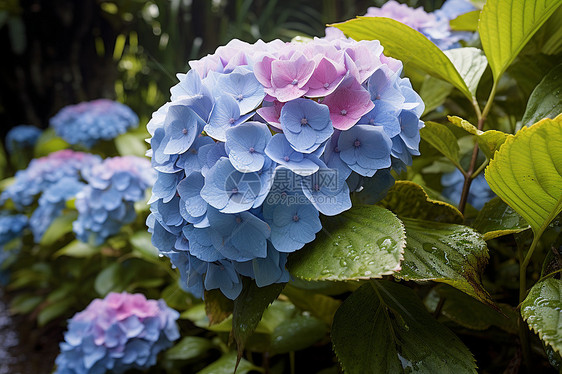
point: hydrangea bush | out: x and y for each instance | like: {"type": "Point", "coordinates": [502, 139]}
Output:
{"type": "Point", "coordinates": [22, 137]}
{"type": "Point", "coordinates": [120, 332]}
{"type": "Point", "coordinates": [259, 139]}
{"type": "Point", "coordinates": [107, 202]}
{"type": "Point", "coordinates": [89, 122]}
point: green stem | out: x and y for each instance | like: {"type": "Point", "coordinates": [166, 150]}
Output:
{"type": "Point", "coordinates": [523, 269]}
{"type": "Point", "coordinates": [480, 169]}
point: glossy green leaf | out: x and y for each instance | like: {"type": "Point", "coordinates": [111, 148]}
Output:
{"type": "Point", "coordinates": [61, 226]}
{"type": "Point", "coordinates": [526, 172]}
{"type": "Point", "coordinates": [542, 309]}
{"type": "Point", "coordinates": [466, 22]}
{"type": "Point", "coordinates": [226, 364]}
{"type": "Point", "coordinates": [383, 327]}
{"type": "Point", "coordinates": [408, 199]}
{"type": "Point", "coordinates": [434, 92]}
{"type": "Point", "coordinates": [249, 307]}
{"type": "Point", "coordinates": [77, 248]}
{"type": "Point", "coordinates": [505, 27]}
{"type": "Point", "coordinates": [364, 242]}
{"type": "Point", "coordinates": [442, 139]}
{"type": "Point", "coordinates": [470, 63]}
{"type": "Point", "coordinates": [497, 219]}
{"type": "Point", "coordinates": [546, 98]}
{"type": "Point", "coordinates": [469, 312]}
{"type": "Point", "coordinates": [406, 44]}
{"type": "Point", "coordinates": [189, 348]}
{"type": "Point", "coordinates": [445, 253]}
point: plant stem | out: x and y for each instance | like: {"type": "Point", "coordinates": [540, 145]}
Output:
{"type": "Point", "coordinates": [481, 118]}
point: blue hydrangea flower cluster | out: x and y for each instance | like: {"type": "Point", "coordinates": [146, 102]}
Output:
{"type": "Point", "coordinates": [22, 137]}
{"type": "Point", "coordinates": [89, 122]}
{"type": "Point", "coordinates": [478, 195]}
{"type": "Point", "coordinates": [435, 26]}
{"type": "Point", "coordinates": [44, 172]}
{"type": "Point", "coordinates": [106, 203]}
{"type": "Point", "coordinates": [260, 139]}
{"type": "Point", "coordinates": [121, 332]}
{"type": "Point", "coordinates": [11, 227]}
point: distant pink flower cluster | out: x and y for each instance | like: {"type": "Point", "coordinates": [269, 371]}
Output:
{"type": "Point", "coordinates": [331, 70]}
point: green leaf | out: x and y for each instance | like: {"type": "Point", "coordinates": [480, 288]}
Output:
{"type": "Point", "coordinates": [296, 334]}
{"type": "Point", "coordinates": [25, 303]}
{"type": "Point", "coordinates": [131, 144]}
{"type": "Point", "coordinates": [108, 279]}
{"type": "Point", "coordinates": [48, 143]}
{"type": "Point", "coordinates": [505, 27]}
{"type": "Point", "coordinates": [226, 364]}
{"type": "Point", "coordinates": [142, 246]}
{"type": "Point", "coordinates": [320, 306]}
{"type": "Point", "coordinates": [77, 249]}
{"type": "Point", "coordinates": [217, 306]}
{"type": "Point", "coordinates": [470, 313]}
{"type": "Point", "coordinates": [54, 310]}
{"type": "Point", "coordinates": [466, 22]}
{"type": "Point", "coordinates": [364, 242]}
{"type": "Point", "coordinates": [497, 219]}
{"type": "Point", "coordinates": [188, 348]}
{"type": "Point", "coordinates": [489, 141]}
{"type": "Point", "coordinates": [383, 327]}
{"type": "Point", "coordinates": [445, 253]}
{"type": "Point", "coordinates": [470, 63]}
{"type": "Point", "coordinates": [542, 309]}
{"type": "Point", "coordinates": [249, 307]}
{"type": "Point", "coordinates": [408, 199]}
{"type": "Point", "coordinates": [406, 44]}
{"type": "Point", "coordinates": [442, 139]}
{"type": "Point", "coordinates": [526, 173]}
{"type": "Point", "coordinates": [546, 98]}
{"type": "Point", "coordinates": [16, 32]}
{"type": "Point", "coordinates": [61, 226]}
{"type": "Point", "coordinates": [434, 92]}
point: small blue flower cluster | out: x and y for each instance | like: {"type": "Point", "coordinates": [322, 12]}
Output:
{"type": "Point", "coordinates": [22, 137]}
{"type": "Point", "coordinates": [116, 334]}
{"type": "Point", "coordinates": [89, 122]}
{"type": "Point", "coordinates": [107, 202]}
{"type": "Point", "coordinates": [478, 195]}
{"type": "Point", "coordinates": [258, 140]}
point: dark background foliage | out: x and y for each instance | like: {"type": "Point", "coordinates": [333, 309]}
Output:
{"type": "Point", "coordinates": [61, 52]}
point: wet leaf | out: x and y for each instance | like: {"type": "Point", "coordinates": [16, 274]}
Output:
{"type": "Point", "coordinates": [497, 219]}
{"type": "Point", "coordinates": [408, 199]}
{"type": "Point", "coordinates": [445, 253]}
{"type": "Point", "coordinates": [505, 26]}
{"type": "Point", "coordinates": [542, 309]}
{"type": "Point", "coordinates": [364, 242]}
{"type": "Point", "coordinates": [383, 327]}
